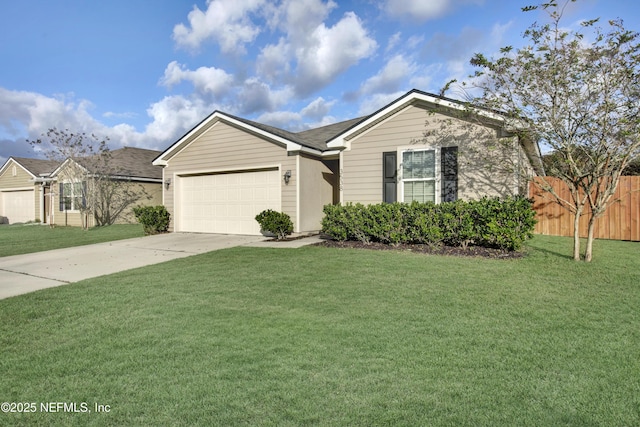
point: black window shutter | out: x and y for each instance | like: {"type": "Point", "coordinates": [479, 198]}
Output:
{"type": "Point", "coordinates": [449, 166]}
{"type": "Point", "coordinates": [84, 194]}
{"type": "Point", "coordinates": [389, 171]}
{"type": "Point", "coordinates": [61, 197]}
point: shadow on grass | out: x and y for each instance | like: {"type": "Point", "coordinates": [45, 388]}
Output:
{"type": "Point", "coordinates": [560, 247]}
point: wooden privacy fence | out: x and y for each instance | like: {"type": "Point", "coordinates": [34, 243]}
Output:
{"type": "Point", "coordinates": [621, 221]}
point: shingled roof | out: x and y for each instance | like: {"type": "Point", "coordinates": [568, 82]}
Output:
{"type": "Point", "coordinates": [37, 167]}
{"type": "Point", "coordinates": [127, 162]}
{"type": "Point", "coordinates": [136, 162]}
{"type": "Point", "coordinates": [318, 137]}
{"type": "Point", "coordinates": [313, 138]}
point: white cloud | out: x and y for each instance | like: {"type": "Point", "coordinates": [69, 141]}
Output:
{"type": "Point", "coordinates": [317, 109]}
{"type": "Point", "coordinates": [420, 10]}
{"type": "Point", "coordinates": [206, 80]}
{"type": "Point", "coordinates": [114, 115]}
{"type": "Point", "coordinates": [273, 63]}
{"type": "Point", "coordinates": [34, 113]}
{"type": "Point", "coordinates": [423, 10]}
{"type": "Point", "coordinates": [172, 116]}
{"type": "Point", "coordinates": [281, 119]}
{"type": "Point", "coordinates": [27, 115]}
{"type": "Point", "coordinates": [391, 77]}
{"type": "Point", "coordinates": [329, 52]}
{"type": "Point", "coordinates": [226, 22]}
{"type": "Point", "coordinates": [296, 17]}
{"type": "Point", "coordinates": [393, 41]}
{"type": "Point", "coordinates": [310, 52]}
{"type": "Point", "coordinates": [374, 102]}
{"type": "Point", "coordinates": [255, 95]}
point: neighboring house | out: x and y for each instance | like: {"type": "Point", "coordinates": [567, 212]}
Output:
{"type": "Point", "coordinates": [130, 165]}
{"type": "Point", "coordinates": [226, 169]}
{"type": "Point", "coordinates": [55, 198]}
{"type": "Point", "coordinates": [22, 196]}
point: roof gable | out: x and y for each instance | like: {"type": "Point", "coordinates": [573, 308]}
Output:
{"type": "Point", "coordinates": [412, 97]}
{"type": "Point", "coordinates": [270, 133]}
{"type": "Point", "coordinates": [34, 167]}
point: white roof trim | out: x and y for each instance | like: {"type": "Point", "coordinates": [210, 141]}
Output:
{"type": "Point", "coordinates": [217, 115]}
{"type": "Point", "coordinates": [63, 164]}
{"type": "Point", "coordinates": [341, 140]}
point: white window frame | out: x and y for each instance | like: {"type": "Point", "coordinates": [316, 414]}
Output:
{"type": "Point", "coordinates": [435, 179]}
{"type": "Point", "coordinates": [73, 196]}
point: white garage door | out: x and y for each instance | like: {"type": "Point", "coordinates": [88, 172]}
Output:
{"type": "Point", "coordinates": [17, 206]}
{"type": "Point", "coordinates": [226, 203]}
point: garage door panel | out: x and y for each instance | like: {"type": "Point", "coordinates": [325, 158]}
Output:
{"type": "Point", "coordinates": [18, 206]}
{"type": "Point", "coordinates": [227, 203]}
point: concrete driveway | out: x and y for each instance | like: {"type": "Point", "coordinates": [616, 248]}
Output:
{"type": "Point", "coordinates": [20, 274]}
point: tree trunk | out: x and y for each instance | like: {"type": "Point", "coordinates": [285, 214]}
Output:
{"type": "Point", "coordinates": [576, 235]}
{"type": "Point", "coordinates": [589, 251]}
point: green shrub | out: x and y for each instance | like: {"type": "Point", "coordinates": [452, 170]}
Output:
{"type": "Point", "coordinates": [154, 219]}
{"type": "Point", "coordinates": [504, 224]}
{"type": "Point", "coordinates": [347, 222]}
{"type": "Point", "coordinates": [278, 223]}
{"type": "Point", "coordinates": [457, 223]}
{"type": "Point", "coordinates": [491, 222]}
{"type": "Point", "coordinates": [422, 223]}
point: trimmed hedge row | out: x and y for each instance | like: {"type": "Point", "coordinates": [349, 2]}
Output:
{"type": "Point", "coordinates": [490, 222]}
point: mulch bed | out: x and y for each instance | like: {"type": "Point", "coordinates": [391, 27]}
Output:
{"type": "Point", "coordinates": [471, 251]}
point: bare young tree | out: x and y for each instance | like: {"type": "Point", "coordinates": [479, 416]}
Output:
{"type": "Point", "coordinates": [92, 183]}
{"type": "Point", "coordinates": [580, 95]}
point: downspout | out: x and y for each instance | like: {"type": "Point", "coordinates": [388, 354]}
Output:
{"type": "Point", "coordinates": [42, 198]}
{"type": "Point", "coordinates": [298, 201]}
{"type": "Point", "coordinates": [340, 178]}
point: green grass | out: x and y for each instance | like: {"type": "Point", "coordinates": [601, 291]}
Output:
{"type": "Point", "coordinates": [25, 239]}
{"type": "Point", "coordinates": [321, 336]}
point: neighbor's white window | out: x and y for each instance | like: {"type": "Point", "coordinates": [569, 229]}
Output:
{"type": "Point", "coordinates": [72, 196]}
{"type": "Point", "coordinates": [419, 176]}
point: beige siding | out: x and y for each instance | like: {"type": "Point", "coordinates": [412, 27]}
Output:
{"type": "Point", "coordinates": [484, 166]}
{"type": "Point", "coordinates": [226, 148]}
{"type": "Point", "coordinates": [317, 182]}
{"type": "Point", "coordinates": [152, 196]}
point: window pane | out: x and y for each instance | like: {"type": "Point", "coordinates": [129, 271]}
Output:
{"type": "Point", "coordinates": [419, 164]}
{"type": "Point", "coordinates": [420, 191]}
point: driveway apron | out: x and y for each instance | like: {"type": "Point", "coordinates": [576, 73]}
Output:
{"type": "Point", "coordinates": [20, 274]}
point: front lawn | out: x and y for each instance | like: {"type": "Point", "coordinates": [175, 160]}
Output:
{"type": "Point", "coordinates": [323, 336]}
{"type": "Point", "coordinates": [24, 239]}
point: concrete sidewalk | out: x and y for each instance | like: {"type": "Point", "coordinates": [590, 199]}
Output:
{"type": "Point", "coordinates": [20, 274]}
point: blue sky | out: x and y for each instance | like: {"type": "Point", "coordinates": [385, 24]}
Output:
{"type": "Point", "coordinates": [143, 73]}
